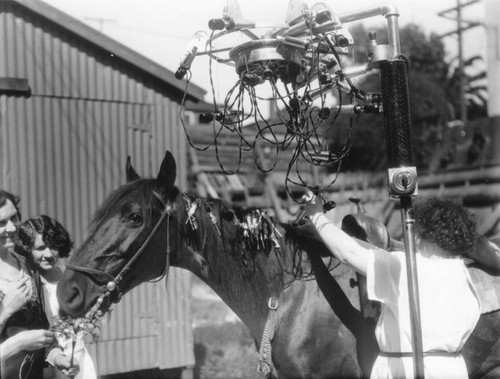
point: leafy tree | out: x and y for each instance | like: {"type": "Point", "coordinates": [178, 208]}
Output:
{"type": "Point", "coordinates": [433, 103]}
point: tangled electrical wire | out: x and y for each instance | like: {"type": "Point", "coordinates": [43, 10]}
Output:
{"type": "Point", "coordinates": [303, 68]}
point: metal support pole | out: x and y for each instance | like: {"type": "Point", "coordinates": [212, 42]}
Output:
{"type": "Point", "coordinates": [402, 174]}
{"type": "Point", "coordinates": [402, 177]}
{"type": "Point", "coordinates": [408, 223]}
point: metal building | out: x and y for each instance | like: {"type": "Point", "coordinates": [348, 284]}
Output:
{"type": "Point", "coordinates": [73, 105]}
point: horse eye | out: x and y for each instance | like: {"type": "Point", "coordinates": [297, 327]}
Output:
{"type": "Point", "coordinates": [135, 219]}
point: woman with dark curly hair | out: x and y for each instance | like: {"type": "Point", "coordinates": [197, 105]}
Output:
{"type": "Point", "coordinates": [447, 224]}
{"type": "Point", "coordinates": [51, 233]}
{"type": "Point", "coordinates": [43, 241]}
{"type": "Point", "coordinates": [449, 305]}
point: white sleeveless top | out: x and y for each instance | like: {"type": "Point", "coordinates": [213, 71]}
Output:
{"type": "Point", "coordinates": [449, 310]}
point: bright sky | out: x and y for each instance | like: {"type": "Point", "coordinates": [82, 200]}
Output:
{"type": "Point", "coordinates": [162, 29]}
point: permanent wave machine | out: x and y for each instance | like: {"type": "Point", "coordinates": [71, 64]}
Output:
{"type": "Point", "coordinates": [303, 67]}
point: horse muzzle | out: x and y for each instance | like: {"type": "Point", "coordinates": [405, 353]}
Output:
{"type": "Point", "coordinates": [77, 294]}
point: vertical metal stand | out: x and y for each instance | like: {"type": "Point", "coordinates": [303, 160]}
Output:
{"type": "Point", "coordinates": [401, 171]}
{"type": "Point", "coordinates": [402, 177]}
{"type": "Point", "coordinates": [408, 222]}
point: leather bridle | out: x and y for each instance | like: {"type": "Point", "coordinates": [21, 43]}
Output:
{"type": "Point", "coordinates": [113, 284]}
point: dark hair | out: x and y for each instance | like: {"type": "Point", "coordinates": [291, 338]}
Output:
{"type": "Point", "coordinates": [4, 196]}
{"type": "Point", "coordinates": [446, 223]}
{"type": "Point", "coordinates": [53, 235]}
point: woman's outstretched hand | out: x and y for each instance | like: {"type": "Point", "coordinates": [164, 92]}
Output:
{"type": "Point", "coordinates": [305, 229]}
{"type": "Point", "coordinates": [311, 204]}
{"type": "Point", "coordinates": [29, 340]}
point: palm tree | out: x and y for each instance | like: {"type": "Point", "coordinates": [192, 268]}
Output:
{"type": "Point", "coordinates": [476, 94]}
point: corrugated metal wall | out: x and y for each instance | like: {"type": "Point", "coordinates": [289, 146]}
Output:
{"type": "Point", "coordinates": [136, 339]}
{"type": "Point", "coordinates": [64, 149]}
{"type": "Point", "coordinates": [62, 156]}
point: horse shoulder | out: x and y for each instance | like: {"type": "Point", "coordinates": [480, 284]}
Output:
{"type": "Point", "coordinates": [309, 338]}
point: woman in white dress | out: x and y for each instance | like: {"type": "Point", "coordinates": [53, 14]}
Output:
{"type": "Point", "coordinates": [43, 241]}
{"type": "Point", "coordinates": [449, 304]}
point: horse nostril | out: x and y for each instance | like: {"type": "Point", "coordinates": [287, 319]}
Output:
{"type": "Point", "coordinates": [70, 297]}
{"type": "Point", "coordinates": [73, 295]}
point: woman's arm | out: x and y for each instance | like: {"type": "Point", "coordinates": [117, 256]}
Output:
{"type": "Point", "coordinates": [343, 246]}
{"type": "Point", "coordinates": [27, 340]}
{"type": "Point", "coordinates": [11, 346]}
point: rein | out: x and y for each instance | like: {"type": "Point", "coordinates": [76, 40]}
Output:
{"type": "Point", "coordinates": [114, 282]}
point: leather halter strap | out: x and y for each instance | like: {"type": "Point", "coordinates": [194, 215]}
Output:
{"type": "Point", "coordinates": [265, 366]}
{"type": "Point", "coordinates": [114, 282]}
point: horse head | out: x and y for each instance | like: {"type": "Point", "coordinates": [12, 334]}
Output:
{"type": "Point", "coordinates": [127, 244]}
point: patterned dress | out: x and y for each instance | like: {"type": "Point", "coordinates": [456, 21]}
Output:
{"type": "Point", "coordinates": [24, 365]}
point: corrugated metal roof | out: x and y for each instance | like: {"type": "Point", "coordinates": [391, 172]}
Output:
{"type": "Point", "coordinates": [115, 49]}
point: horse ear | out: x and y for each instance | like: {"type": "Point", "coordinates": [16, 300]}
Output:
{"type": "Point", "coordinates": [168, 171]}
{"type": "Point", "coordinates": [131, 173]}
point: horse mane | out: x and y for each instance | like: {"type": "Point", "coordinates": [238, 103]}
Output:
{"type": "Point", "coordinates": [270, 237]}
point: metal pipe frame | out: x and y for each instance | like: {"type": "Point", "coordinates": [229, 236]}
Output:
{"type": "Point", "coordinates": [389, 11]}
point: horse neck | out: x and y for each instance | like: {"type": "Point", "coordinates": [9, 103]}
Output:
{"type": "Point", "coordinates": [246, 290]}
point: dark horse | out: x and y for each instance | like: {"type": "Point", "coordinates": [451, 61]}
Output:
{"type": "Point", "coordinates": [247, 259]}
